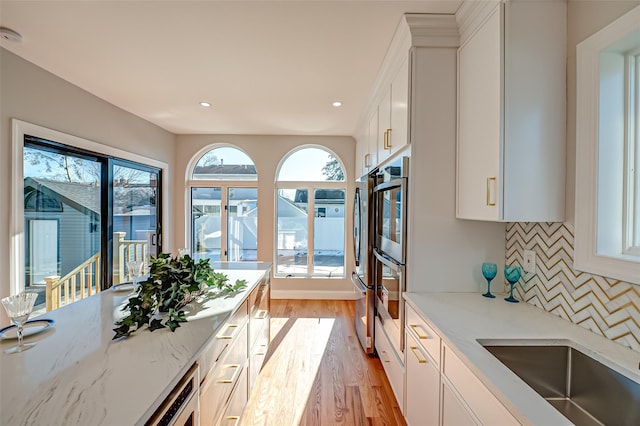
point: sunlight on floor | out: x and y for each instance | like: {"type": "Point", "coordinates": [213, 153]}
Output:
{"type": "Point", "coordinates": [292, 337]}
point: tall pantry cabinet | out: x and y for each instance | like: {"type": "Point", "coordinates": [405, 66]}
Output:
{"type": "Point", "coordinates": [511, 110]}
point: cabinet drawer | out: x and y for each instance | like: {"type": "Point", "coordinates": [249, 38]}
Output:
{"type": "Point", "coordinates": [238, 400]}
{"type": "Point", "coordinates": [423, 386]}
{"type": "Point", "coordinates": [423, 333]}
{"type": "Point", "coordinates": [216, 389]}
{"type": "Point", "coordinates": [481, 401]}
{"type": "Point", "coordinates": [392, 365]}
{"type": "Point", "coordinates": [219, 345]}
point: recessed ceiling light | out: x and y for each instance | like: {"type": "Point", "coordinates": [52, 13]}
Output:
{"type": "Point", "coordinates": [205, 104]}
{"type": "Point", "coordinates": [337, 104]}
{"type": "Point", "coordinates": [9, 34]}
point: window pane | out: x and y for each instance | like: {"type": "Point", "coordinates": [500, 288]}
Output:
{"type": "Point", "coordinates": [311, 164]}
{"type": "Point", "coordinates": [292, 231]}
{"type": "Point", "coordinates": [328, 230]}
{"type": "Point", "coordinates": [134, 219]}
{"type": "Point", "coordinates": [61, 218]}
{"type": "Point", "coordinates": [242, 224]}
{"type": "Point", "coordinates": [206, 223]}
{"type": "Point", "coordinates": [225, 163]}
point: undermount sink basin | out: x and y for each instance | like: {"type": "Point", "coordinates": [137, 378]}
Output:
{"type": "Point", "coordinates": [583, 389]}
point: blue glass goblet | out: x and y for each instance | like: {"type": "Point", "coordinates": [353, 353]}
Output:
{"type": "Point", "coordinates": [512, 274]}
{"type": "Point", "coordinates": [489, 270]}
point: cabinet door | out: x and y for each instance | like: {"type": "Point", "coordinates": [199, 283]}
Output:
{"type": "Point", "coordinates": [362, 149]}
{"type": "Point", "coordinates": [398, 136]}
{"type": "Point", "coordinates": [480, 76]}
{"type": "Point", "coordinates": [422, 393]}
{"type": "Point", "coordinates": [384, 126]}
{"type": "Point", "coordinates": [453, 412]}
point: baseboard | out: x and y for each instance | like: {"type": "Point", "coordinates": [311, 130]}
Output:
{"type": "Point", "coordinates": [313, 294]}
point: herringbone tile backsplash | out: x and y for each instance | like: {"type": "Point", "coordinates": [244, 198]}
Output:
{"type": "Point", "coordinates": [605, 306]}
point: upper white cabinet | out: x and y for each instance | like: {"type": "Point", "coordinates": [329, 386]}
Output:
{"type": "Point", "coordinates": [511, 111]}
{"type": "Point", "coordinates": [386, 124]}
{"type": "Point", "coordinates": [393, 117]}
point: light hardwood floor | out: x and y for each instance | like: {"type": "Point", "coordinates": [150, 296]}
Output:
{"type": "Point", "coordinates": [316, 373]}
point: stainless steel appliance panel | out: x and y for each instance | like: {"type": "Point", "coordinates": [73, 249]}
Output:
{"type": "Point", "coordinates": [389, 304]}
{"type": "Point", "coordinates": [362, 275]}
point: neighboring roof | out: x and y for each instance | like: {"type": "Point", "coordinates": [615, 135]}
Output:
{"type": "Point", "coordinates": [225, 169]}
{"type": "Point", "coordinates": [81, 196]}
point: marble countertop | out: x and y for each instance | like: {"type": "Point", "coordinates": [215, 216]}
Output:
{"type": "Point", "coordinates": [463, 319]}
{"type": "Point", "coordinates": [77, 375]}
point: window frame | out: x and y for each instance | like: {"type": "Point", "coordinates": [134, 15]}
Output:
{"type": "Point", "coordinates": [224, 184]}
{"type": "Point", "coordinates": [311, 187]}
{"type": "Point", "coordinates": [77, 146]}
{"type": "Point", "coordinates": [620, 265]}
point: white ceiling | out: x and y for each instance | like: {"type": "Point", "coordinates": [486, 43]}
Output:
{"type": "Point", "coordinates": [267, 67]}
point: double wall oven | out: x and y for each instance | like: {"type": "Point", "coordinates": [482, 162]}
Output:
{"type": "Point", "coordinates": [379, 244]}
{"type": "Point", "coordinates": [389, 249]}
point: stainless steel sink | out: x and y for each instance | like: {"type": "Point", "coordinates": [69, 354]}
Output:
{"type": "Point", "coordinates": [584, 390]}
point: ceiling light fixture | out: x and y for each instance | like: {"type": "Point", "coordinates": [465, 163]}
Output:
{"type": "Point", "coordinates": [337, 104]}
{"type": "Point", "coordinates": [9, 34]}
{"type": "Point", "coordinates": [205, 104]}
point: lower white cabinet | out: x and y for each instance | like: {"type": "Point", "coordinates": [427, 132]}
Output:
{"type": "Point", "coordinates": [439, 387]}
{"type": "Point", "coordinates": [422, 397]}
{"type": "Point", "coordinates": [454, 413]}
{"type": "Point", "coordinates": [393, 366]}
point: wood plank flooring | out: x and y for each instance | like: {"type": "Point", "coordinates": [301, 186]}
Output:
{"type": "Point", "coordinates": [316, 373]}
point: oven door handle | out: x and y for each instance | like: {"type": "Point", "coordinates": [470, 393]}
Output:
{"type": "Point", "coordinates": [386, 260]}
{"type": "Point", "coordinates": [358, 284]}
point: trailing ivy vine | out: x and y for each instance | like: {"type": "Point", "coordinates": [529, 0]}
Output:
{"type": "Point", "coordinates": [172, 283]}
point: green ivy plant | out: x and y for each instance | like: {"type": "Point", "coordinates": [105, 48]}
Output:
{"type": "Point", "coordinates": [172, 283]}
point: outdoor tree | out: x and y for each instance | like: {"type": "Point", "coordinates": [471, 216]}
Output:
{"type": "Point", "coordinates": [332, 169]}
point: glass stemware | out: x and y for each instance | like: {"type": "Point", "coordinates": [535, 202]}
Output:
{"type": "Point", "coordinates": [134, 268]}
{"type": "Point", "coordinates": [489, 270]}
{"type": "Point", "coordinates": [19, 307]}
{"type": "Point", "coordinates": [512, 274]}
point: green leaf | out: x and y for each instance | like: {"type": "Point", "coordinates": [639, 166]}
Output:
{"type": "Point", "coordinates": [155, 324]}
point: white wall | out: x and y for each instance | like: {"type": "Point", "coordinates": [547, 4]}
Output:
{"type": "Point", "coordinates": [267, 152]}
{"type": "Point", "coordinates": [34, 95]}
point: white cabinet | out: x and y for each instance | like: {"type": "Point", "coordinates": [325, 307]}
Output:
{"type": "Point", "coordinates": [367, 145]}
{"type": "Point", "coordinates": [422, 395]}
{"type": "Point", "coordinates": [454, 413]}
{"type": "Point", "coordinates": [482, 404]}
{"type": "Point", "coordinates": [511, 111]}
{"type": "Point", "coordinates": [393, 113]}
{"type": "Point", "coordinates": [439, 387]}
{"type": "Point", "coordinates": [393, 366]}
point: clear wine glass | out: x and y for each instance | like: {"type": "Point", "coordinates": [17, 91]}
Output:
{"type": "Point", "coordinates": [489, 271]}
{"type": "Point", "coordinates": [19, 307]}
{"type": "Point", "coordinates": [134, 268]}
{"type": "Point", "coordinates": [512, 274]}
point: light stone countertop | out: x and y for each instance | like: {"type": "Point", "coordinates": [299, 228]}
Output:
{"type": "Point", "coordinates": [461, 319]}
{"type": "Point", "coordinates": [77, 375]}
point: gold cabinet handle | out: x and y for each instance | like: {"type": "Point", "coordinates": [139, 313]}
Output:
{"type": "Point", "coordinates": [489, 202]}
{"type": "Point", "coordinates": [414, 327]}
{"type": "Point", "coordinates": [234, 330]}
{"type": "Point", "coordinates": [367, 160]}
{"type": "Point", "coordinates": [261, 314]}
{"type": "Point", "coordinates": [232, 420]}
{"type": "Point", "coordinates": [414, 349]}
{"type": "Point", "coordinates": [387, 139]}
{"type": "Point", "coordinates": [236, 371]}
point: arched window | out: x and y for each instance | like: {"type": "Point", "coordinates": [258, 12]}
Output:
{"type": "Point", "coordinates": [224, 206]}
{"type": "Point", "coordinates": [310, 180]}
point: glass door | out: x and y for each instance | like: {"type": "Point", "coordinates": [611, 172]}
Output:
{"type": "Point", "coordinates": [224, 223]}
{"type": "Point", "coordinates": [135, 217]}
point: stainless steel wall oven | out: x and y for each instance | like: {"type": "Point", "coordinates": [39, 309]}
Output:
{"type": "Point", "coordinates": [390, 221]}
